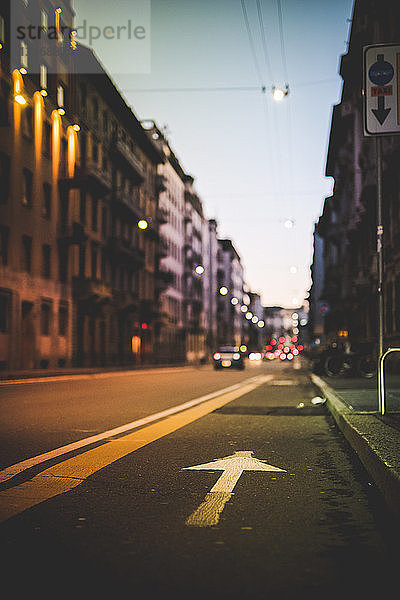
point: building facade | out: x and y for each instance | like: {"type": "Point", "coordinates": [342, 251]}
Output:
{"type": "Point", "coordinates": [348, 223]}
{"type": "Point", "coordinates": [229, 276]}
{"type": "Point", "coordinates": [37, 146]}
{"type": "Point", "coordinates": [78, 171]}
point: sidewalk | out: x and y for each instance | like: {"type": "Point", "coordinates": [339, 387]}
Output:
{"type": "Point", "coordinates": [353, 404]}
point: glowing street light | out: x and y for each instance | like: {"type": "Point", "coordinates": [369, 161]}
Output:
{"type": "Point", "coordinates": [234, 301]}
{"type": "Point", "coordinates": [244, 308]}
{"type": "Point", "coordinates": [254, 319]}
{"type": "Point", "coordinates": [143, 224]}
{"type": "Point", "coordinates": [249, 315]}
{"type": "Point", "coordinates": [20, 99]}
{"type": "Point", "coordinates": [289, 224]}
{"type": "Point", "coordinates": [261, 324]}
{"type": "Point", "coordinates": [223, 290]}
{"type": "Point", "coordinates": [279, 94]}
{"type": "Point", "coordinates": [199, 270]}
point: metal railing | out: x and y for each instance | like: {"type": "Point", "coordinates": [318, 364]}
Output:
{"type": "Point", "coordinates": [381, 380]}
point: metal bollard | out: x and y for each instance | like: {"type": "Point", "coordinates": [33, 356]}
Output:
{"type": "Point", "coordinates": [381, 380]}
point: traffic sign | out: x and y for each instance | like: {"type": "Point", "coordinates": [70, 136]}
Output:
{"type": "Point", "coordinates": [381, 89]}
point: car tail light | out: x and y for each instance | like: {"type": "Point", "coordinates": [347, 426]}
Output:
{"type": "Point", "coordinates": [282, 356]}
{"type": "Point", "coordinates": [290, 356]}
{"type": "Point", "coordinates": [217, 356]}
{"type": "Point", "coordinates": [236, 356]}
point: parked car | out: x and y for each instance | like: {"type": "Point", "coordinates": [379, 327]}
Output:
{"type": "Point", "coordinates": [228, 357]}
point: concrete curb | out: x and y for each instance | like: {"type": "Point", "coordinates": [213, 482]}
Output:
{"type": "Point", "coordinates": [376, 444]}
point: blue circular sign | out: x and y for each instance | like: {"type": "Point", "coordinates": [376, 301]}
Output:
{"type": "Point", "coordinates": [381, 72]}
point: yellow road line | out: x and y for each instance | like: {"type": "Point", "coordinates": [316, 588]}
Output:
{"type": "Point", "coordinates": [70, 473]}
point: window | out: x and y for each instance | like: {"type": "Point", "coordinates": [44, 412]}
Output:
{"type": "Point", "coordinates": [46, 261]}
{"type": "Point", "coordinates": [46, 207]}
{"type": "Point", "coordinates": [95, 110]}
{"type": "Point", "coordinates": [27, 188]}
{"type": "Point", "coordinates": [4, 177]}
{"type": "Point", "coordinates": [47, 139]}
{"type": "Point", "coordinates": [45, 318]}
{"type": "Point", "coordinates": [63, 263]}
{"type": "Point", "coordinates": [83, 96]}
{"type": "Point", "coordinates": [4, 232]}
{"type": "Point", "coordinates": [60, 95]}
{"type": "Point", "coordinates": [26, 253]}
{"type": "Point", "coordinates": [104, 222]}
{"type": "Point", "coordinates": [24, 54]}
{"type": "Point", "coordinates": [44, 20]}
{"type": "Point", "coordinates": [27, 121]}
{"type": "Point", "coordinates": [82, 207]}
{"type": "Point", "coordinates": [5, 307]}
{"type": "Point", "coordinates": [63, 319]}
{"type": "Point", "coordinates": [95, 210]}
{"type": "Point", "coordinates": [82, 261]}
{"type": "Point", "coordinates": [105, 122]}
{"type": "Point", "coordinates": [2, 30]}
{"type": "Point", "coordinates": [43, 76]}
{"type": "Point", "coordinates": [94, 253]}
{"type": "Point", "coordinates": [95, 152]}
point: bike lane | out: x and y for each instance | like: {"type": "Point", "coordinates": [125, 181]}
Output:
{"type": "Point", "coordinates": [310, 527]}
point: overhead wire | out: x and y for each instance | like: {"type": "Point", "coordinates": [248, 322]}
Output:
{"type": "Point", "coordinates": [283, 52]}
{"type": "Point", "coordinates": [274, 156]}
{"type": "Point", "coordinates": [251, 41]}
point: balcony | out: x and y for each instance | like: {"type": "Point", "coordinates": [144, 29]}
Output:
{"type": "Point", "coordinates": [162, 249]}
{"type": "Point", "coordinates": [167, 277]}
{"type": "Point", "coordinates": [89, 176]}
{"type": "Point", "coordinates": [122, 250]}
{"type": "Point", "coordinates": [125, 301]}
{"type": "Point", "coordinates": [161, 183]}
{"type": "Point", "coordinates": [125, 155]}
{"type": "Point", "coordinates": [162, 215]}
{"type": "Point", "coordinates": [126, 201]}
{"type": "Point", "coordinates": [73, 233]}
{"type": "Point", "coordinates": [90, 290]}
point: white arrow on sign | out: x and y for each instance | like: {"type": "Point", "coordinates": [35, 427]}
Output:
{"type": "Point", "coordinates": [208, 513]}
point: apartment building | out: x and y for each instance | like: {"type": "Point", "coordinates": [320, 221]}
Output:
{"type": "Point", "coordinates": [348, 223]}
{"type": "Point", "coordinates": [194, 317]}
{"type": "Point", "coordinates": [230, 283]}
{"type": "Point", "coordinates": [37, 148]}
{"type": "Point", "coordinates": [78, 174]}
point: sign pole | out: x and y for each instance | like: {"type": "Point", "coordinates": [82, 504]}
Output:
{"type": "Point", "coordinates": [380, 265]}
{"type": "Point", "coordinates": [381, 117]}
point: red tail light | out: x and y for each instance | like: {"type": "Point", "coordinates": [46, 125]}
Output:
{"type": "Point", "coordinates": [236, 356]}
{"type": "Point", "coordinates": [217, 356]}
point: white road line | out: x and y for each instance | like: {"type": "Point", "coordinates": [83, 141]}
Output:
{"type": "Point", "coordinates": [17, 468]}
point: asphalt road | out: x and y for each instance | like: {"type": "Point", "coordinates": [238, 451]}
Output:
{"type": "Point", "coordinates": [133, 518]}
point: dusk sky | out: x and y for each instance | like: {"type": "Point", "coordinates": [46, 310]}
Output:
{"type": "Point", "coordinates": [256, 162]}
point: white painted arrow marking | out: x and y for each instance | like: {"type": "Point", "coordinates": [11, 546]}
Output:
{"type": "Point", "coordinates": [208, 513]}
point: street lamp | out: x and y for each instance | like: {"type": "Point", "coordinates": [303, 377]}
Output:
{"type": "Point", "coordinates": [223, 290]}
{"type": "Point", "coordinates": [143, 224]}
{"type": "Point", "coordinates": [199, 270]}
{"type": "Point", "coordinates": [234, 301]}
{"type": "Point", "coordinates": [279, 94]}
